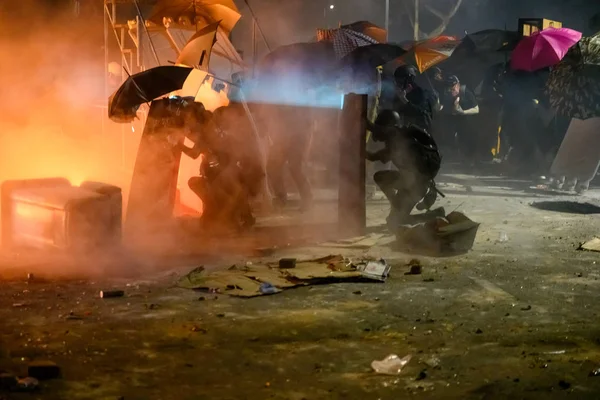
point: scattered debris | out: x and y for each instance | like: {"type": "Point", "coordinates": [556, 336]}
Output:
{"type": "Point", "coordinates": [422, 375]}
{"type": "Point", "coordinates": [595, 372]}
{"type": "Point", "coordinates": [591, 245]}
{"type": "Point", "coordinates": [199, 329]}
{"type": "Point", "coordinates": [267, 288]}
{"type": "Point", "coordinates": [73, 317]}
{"type": "Point", "coordinates": [247, 281]}
{"type": "Point", "coordinates": [28, 384]}
{"type": "Point", "coordinates": [43, 370]}
{"type": "Point", "coordinates": [564, 385]}
{"type": "Point", "coordinates": [391, 365]}
{"type": "Point", "coordinates": [287, 263]}
{"type": "Point", "coordinates": [415, 267]}
{"type": "Point", "coordinates": [107, 294]}
{"type": "Point", "coordinates": [453, 234]}
{"type": "Point", "coordinates": [378, 270]}
{"type": "Point", "coordinates": [432, 362]}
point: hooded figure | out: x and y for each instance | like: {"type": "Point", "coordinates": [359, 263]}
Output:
{"type": "Point", "coordinates": [415, 155]}
{"type": "Point", "coordinates": [414, 104]}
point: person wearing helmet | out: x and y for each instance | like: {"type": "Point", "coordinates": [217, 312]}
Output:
{"type": "Point", "coordinates": [413, 103]}
{"type": "Point", "coordinates": [415, 155]}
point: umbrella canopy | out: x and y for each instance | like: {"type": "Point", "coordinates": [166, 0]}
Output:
{"type": "Point", "coordinates": [489, 41]}
{"type": "Point", "coordinates": [428, 53]}
{"type": "Point", "coordinates": [372, 56]}
{"type": "Point", "coordinates": [143, 88]}
{"type": "Point", "coordinates": [478, 53]}
{"type": "Point", "coordinates": [543, 49]}
{"type": "Point", "coordinates": [574, 83]}
{"type": "Point", "coordinates": [345, 41]}
{"type": "Point", "coordinates": [367, 28]}
{"type": "Point", "coordinates": [197, 50]}
{"type": "Point", "coordinates": [197, 12]}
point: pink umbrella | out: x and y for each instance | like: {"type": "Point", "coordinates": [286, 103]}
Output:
{"type": "Point", "coordinates": [543, 49]}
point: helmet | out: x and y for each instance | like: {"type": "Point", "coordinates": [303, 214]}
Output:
{"type": "Point", "coordinates": [452, 80]}
{"type": "Point", "coordinates": [434, 72]}
{"type": "Point", "coordinates": [388, 118]}
{"type": "Point", "coordinates": [405, 74]}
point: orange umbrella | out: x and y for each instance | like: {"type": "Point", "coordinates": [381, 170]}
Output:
{"type": "Point", "coordinates": [193, 12]}
{"type": "Point", "coordinates": [427, 53]}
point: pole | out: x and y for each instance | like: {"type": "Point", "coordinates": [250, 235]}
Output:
{"type": "Point", "coordinates": [137, 6]}
{"type": "Point", "coordinates": [387, 20]}
{"type": "Point", "coordinates": [262, 35]}
{"type": "Point", "coordinates": [254, 48]}
{"type": "Point", "coordinates": [416, 31]}
{"type": "Point", "coordinates": [105, 51]}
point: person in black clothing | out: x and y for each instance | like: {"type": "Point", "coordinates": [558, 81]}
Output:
{"type": "Point", "coordinates": [414, 104]}
{"type": "Point", "coordinates": [415, 155]}
{"type": "Point", "coordinates": [222, 184]}
{"type": "Point", "coordinates": [458, 104]}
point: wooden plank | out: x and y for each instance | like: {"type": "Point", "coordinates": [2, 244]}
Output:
{"type": "Point", "coordinates": [352, 210]}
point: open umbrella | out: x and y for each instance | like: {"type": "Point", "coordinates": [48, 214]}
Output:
{"type": "Point", "coordinates": [372, 56]}
{"type": "Point", "coordinates": [143, 88]}
{"type": "Point", "coordinates": [543, 49]}
{"type": "Point", "coordinates": [478, 53]}
{"type": "Point", "coordinates": [427, 53]}
{"type": "Point", "coordinates": [197, 50]}
{"type": "Point", "coordinates": [197, 12]}
{"type": "Point", "coordinates": [574, 84]}
{"type": "Point", "coordinates": [369, 29]}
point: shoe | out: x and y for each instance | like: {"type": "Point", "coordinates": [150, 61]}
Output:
{"type": "Point", "coordinates": [428, 200]}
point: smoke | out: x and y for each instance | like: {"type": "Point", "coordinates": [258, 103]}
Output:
{"type": "Point", "coordinates": [52, 81]}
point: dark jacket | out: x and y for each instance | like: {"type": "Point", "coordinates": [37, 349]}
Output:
{"type": "Point", "coordinates": [408, 148]}
{"type": "Point", "coordinates": [419, 109]}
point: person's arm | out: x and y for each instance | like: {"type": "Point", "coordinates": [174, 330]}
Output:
{"type": "Point", "coordinates": [192, 152]}
{"type": "Point", "coordinates": [470, 99]}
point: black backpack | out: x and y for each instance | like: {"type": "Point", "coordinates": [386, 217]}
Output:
{"type": "Point", "coordinates": [425, 146]}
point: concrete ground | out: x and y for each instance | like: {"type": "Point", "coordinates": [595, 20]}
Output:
{"type": "Point", "coordinates": [515, 318]}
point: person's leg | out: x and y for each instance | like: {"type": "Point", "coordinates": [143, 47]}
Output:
{"type": "Point", "coordinates": [296, 163]}
{"type": "Point", "coordinates": [275, 169]}
{"type": "Point", "coordinates": [388, 182]}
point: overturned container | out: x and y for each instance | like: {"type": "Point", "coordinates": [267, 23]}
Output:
{"type": "Point", "coordinates": [53, 214]}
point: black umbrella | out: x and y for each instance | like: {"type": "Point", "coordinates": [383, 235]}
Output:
{"type": "Point", "coordinates": [372, 56]}
{"type": "Point", "coordinates": [143, 88]}
{"type": "Point", "coordinates": [479, 51]}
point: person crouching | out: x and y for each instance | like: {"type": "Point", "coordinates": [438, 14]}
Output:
{"type": "Point", "coordinates": [415, 155]}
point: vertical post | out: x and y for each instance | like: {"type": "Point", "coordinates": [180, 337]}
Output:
{"type": "Point", "coordinates": [416, 30]}
{"type": "Point", "coordinates": [387, 20]}
{"type": "Point", "coordinates": [106, 94]}
{"type": "Point", "coordinates": [140, 43]}
{"type": "Point", "coordinates": [352, 209]}
{"type": "Point", "coordinates": [254, 48]}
